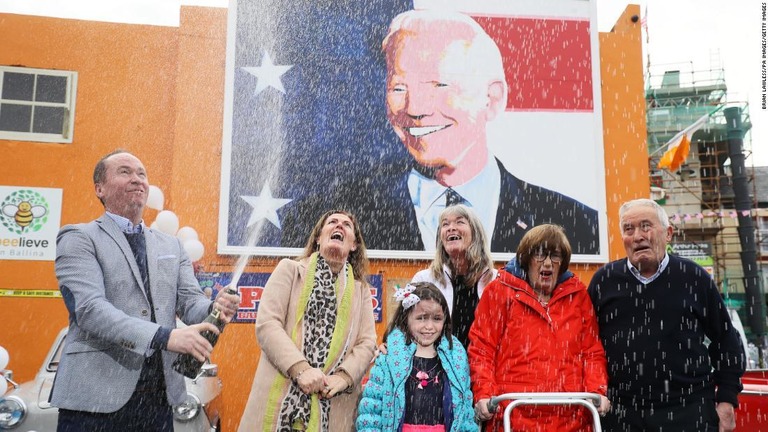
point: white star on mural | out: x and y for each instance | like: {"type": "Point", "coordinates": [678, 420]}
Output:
{"type": "Point", "coordinates": [265, 206]}
{"type": "Point", "coordinates": [268, 74]}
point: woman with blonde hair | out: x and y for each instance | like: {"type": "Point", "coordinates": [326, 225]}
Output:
{"type": "Point", "coordinates": [316, 331]}
{"type": "Point", "coordinates": [462, 266]}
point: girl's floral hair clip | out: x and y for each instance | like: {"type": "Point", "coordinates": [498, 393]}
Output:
{"type": "Point", "coordinates": [406, 296]}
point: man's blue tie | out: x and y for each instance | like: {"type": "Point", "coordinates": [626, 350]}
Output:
{"type": "Point", "coordinates": [152, 378]}
{"type": "Point", "coordinates": [139, 248]}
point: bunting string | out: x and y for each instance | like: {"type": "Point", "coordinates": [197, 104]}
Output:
{"type": "Point", "coordinates": [733, 214]}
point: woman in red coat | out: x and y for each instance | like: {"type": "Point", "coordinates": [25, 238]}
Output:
{"type": "Point", "coordinates": [535, 331]}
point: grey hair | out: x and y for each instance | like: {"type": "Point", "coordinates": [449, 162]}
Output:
{"type": "Point", "coordinates": [481, 51]}
{"type": "Point", "coordinates": [645, 202]}
{"type": "Point", "coordinates": [478, 254]}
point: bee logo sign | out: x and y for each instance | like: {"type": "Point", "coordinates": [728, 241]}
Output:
{"type": "Point", "coordinates": [25, 215]}
{"type": "Point", "coordinates": [29, 222]}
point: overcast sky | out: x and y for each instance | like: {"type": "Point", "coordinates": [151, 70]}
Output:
{"type": "Point", "coordinates": [693, 35]}
{"type": "Point", "coordinates": [699, 35]}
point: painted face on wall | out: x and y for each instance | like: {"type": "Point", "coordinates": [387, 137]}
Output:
{"type": "Point", "coordinates": [438, 110]}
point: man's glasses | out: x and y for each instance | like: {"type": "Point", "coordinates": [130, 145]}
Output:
{"type": "Point", "coordinates": [554, 256]}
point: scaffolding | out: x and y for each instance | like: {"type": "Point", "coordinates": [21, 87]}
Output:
{"type": "Point", "coordinates": [699, 196]}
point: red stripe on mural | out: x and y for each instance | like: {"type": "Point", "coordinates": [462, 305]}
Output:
{"type": "Point", "coordinates": [548, 62]}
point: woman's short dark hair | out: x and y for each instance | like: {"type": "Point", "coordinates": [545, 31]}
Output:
{"type": "Point", "coordinates": [546, 237]}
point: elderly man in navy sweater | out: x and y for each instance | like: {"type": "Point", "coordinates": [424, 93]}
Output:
{"type": "Point", "coordinates": [655, 311]}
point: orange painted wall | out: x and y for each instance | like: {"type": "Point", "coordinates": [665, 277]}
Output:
{"type": "Point", "coordinates": [125, 74]}
{"type": "Point", "coordinates": [624, 128]}
{"type": "Point", "coordinates": [159, 92]}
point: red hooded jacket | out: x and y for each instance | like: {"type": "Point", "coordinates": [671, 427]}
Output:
{"type": "Point", "coordinates": [519, 345]}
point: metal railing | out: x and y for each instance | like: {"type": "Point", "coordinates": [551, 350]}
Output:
{"type": "Point", "coordinates": [587, 400]}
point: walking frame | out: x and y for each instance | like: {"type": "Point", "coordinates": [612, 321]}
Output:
{"type": "Point", "coordinates": [588, 400]}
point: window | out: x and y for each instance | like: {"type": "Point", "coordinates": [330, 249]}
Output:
{"type": "Point", "coordinates": [763, 236]}
{"type": "Point", "coordinates": [37, 104]}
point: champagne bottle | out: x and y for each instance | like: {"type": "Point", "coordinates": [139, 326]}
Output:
{"type": "Point", "coordinates": [188, 365]}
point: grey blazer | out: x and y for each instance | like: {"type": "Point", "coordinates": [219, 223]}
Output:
{"type": "Point", "coordinates": [110, 327]}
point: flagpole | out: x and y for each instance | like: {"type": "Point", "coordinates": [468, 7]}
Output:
{"type": "Point", "coordinates": [644, 26]}
{"type": "Point", "coordinates": [680, 134]}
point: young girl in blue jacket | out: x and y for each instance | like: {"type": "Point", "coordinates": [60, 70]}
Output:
{"type": "Point", "coordinates": [422, 383]}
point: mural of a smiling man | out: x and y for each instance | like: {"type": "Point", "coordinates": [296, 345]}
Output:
{"type": "Point", "coordinates": [445, 82]}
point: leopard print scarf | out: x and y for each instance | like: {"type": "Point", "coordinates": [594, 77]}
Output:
{"type": "Point", "coordinates": [319, 323]}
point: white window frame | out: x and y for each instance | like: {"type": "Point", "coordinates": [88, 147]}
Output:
{"type": "Point", "coordinates": [69, 103]}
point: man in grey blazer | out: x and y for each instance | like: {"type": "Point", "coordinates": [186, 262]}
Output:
{"type": "Point", "coordinates": [123, 285]}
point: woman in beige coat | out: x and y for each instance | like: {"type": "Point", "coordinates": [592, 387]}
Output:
{"type": "Point", "coordinates": [316, 331]}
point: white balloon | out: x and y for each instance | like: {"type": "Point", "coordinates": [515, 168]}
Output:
{"type": "Point", "coordinates": [194, 249]}
{"type": "Point", "coordinates": [186, 233]}
{"type": "Point", "coordinates": [167, 222]}
{"type": "Point", "coordinates": [154, 226]}
{"type": "Point", "coordinates": [155, 198]}
{"type": "Point", "coordinates": [4, 357]}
